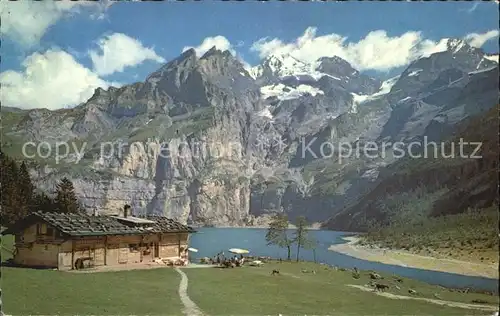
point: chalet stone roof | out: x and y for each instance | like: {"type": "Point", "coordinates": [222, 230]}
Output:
{"type": "Point", "coordinates": [163, 223]}
{"type": "Point", "coordinates": [86, 225]}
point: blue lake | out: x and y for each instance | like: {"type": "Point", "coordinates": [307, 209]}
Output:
{"type": "Point", "coordinates": [210, 241]}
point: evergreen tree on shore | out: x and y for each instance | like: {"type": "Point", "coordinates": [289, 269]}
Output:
{"type": "Point", "coordinates": [66, 200]}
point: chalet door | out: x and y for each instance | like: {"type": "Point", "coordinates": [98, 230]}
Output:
{"type": "Point", "coordinates": [123, 254]}
{"type": "Point", "coordinates": [99, 256]}
{"type": "Point", "coordinates": [92, 256]}
{"type": "Point", "coordinates": [60, 261]}
{"type": "Point", "coordinates": [156, 250]}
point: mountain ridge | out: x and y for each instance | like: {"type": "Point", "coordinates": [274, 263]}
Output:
{"type": "Point", "coordinates": [257, 168]}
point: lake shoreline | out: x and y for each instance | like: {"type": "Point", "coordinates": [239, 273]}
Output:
{"type": "Point", "coordinates": [211, 241]}
{"type": "Point", "coordinates": [314, 227]}
{"type": "Point", "coordinates": [406, 259]}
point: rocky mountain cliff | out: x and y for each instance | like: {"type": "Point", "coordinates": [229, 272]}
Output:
{"type": "Point", "coordinates": [414, 188]}
{"type": "Point", "coordinates": [206, 141]}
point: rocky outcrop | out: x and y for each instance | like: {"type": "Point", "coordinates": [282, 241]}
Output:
{"type": "Point", "coordinates": [436, 186]}
{"type": "Point", "coordinates": [204, 140]}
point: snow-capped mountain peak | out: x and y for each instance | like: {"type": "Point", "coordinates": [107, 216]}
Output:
{"type": "Point", "coordinates": [255, 72]}
{"type": "Point", "coordinates": [492, 57]}
{"type": "Point", "coordinates": [324, 72]}
{"type": "Point", "coordinates": [285, 65]}
{"type": "Point", "coordinates": [282, 65]}
{"type": "Point", "coordinates": [452, 45]}
{"type": "Point", "coordinates": [455, 45]}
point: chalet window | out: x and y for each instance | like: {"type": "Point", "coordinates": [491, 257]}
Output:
{"type": "Point", "coordinates": [133, 247]}
{"type": "Point", "coordinates": [41, 229]}
{"type": "Point", "coordinates": [50, 231]}
{"type": "Point", "coordinates": [44, 230]}
{"type": "Point", "coordinates": [59, 235]}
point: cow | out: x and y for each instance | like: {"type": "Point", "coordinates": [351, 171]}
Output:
{"type": "Point", "coordinates": [381, 287]}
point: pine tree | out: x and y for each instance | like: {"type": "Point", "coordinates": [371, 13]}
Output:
{"type": "Point", "coordinates": [65, 200]}
{"type": "Point", "coordinates": [42, 202]}
{"type": "Point", "coordinates": [17, 192]}
{"type": "Point", "coordinates": [25, 191]}
{"type": "Point", "coordinates": [25, 184]}
{"type": "Point", "coordinates": [10, 199]}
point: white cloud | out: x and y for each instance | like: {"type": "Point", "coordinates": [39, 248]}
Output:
{"type": "Point", "coordinates": [478, 40]}
{"type": "Point", "coordinates": [25, 22]}
{"type": "Point", "coordinates": [429, 47]}
{"type": "Point", "coordinates": [118, 51]}
{"type": "Point", "coordinates": [52, 80]}
{"type": "Point", "coordinates": [473, 7]}
{"type": "Point", "coordinates": [376, 51]}
{"type": "Point", "coordinates": [220, 42]}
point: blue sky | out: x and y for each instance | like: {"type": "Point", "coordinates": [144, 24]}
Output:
{"type": "Point", "coordinates": [131, 39]}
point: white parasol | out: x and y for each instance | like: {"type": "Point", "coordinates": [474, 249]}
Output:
{"type": "Point", "coordinates": [193, 249]}
{"type": "Point", "coordinates": [238, 251]}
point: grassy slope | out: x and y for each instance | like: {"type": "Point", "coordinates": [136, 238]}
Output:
{"type": "Point", "coordinates": [440, 207]}
{"type": "Point", "coordinates": [461, 183]}
{"type": "Point", "coordinates": [135, 129]}
{"type": "Point", "coordinates": [7, 247]}
{"type": "Point", "coordinates": [253, 291]}
{"type": "Point", "coordinates": [216, 291]}
{"type": "Point", "coordinates": [471, 236]}
{"type": "Point", "coordinates": [47, 292]}
{"type": "Point", "coordinates": [11, 143]}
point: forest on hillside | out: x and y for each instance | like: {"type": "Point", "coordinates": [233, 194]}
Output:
{"type": "Point", "coordinates": [20, 197]}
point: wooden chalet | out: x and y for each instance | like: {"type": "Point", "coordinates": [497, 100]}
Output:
{"type": "Point", "coordinates": [72, 241]}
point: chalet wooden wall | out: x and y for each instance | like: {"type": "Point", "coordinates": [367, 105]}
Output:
{"type": "Point", "coordinates": [38, 255]}
{"type": "Point", "coordinates": [105, 250]}
{"type": "Point", "coordinates": [33, 253]}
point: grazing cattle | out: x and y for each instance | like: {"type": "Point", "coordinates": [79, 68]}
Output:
{"type": "Point", "coordinates": [398, 279]}
{"type": "Point", "coordinates": [381, 287]}
{"type": "Point", "coordinates": [275, 272]}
